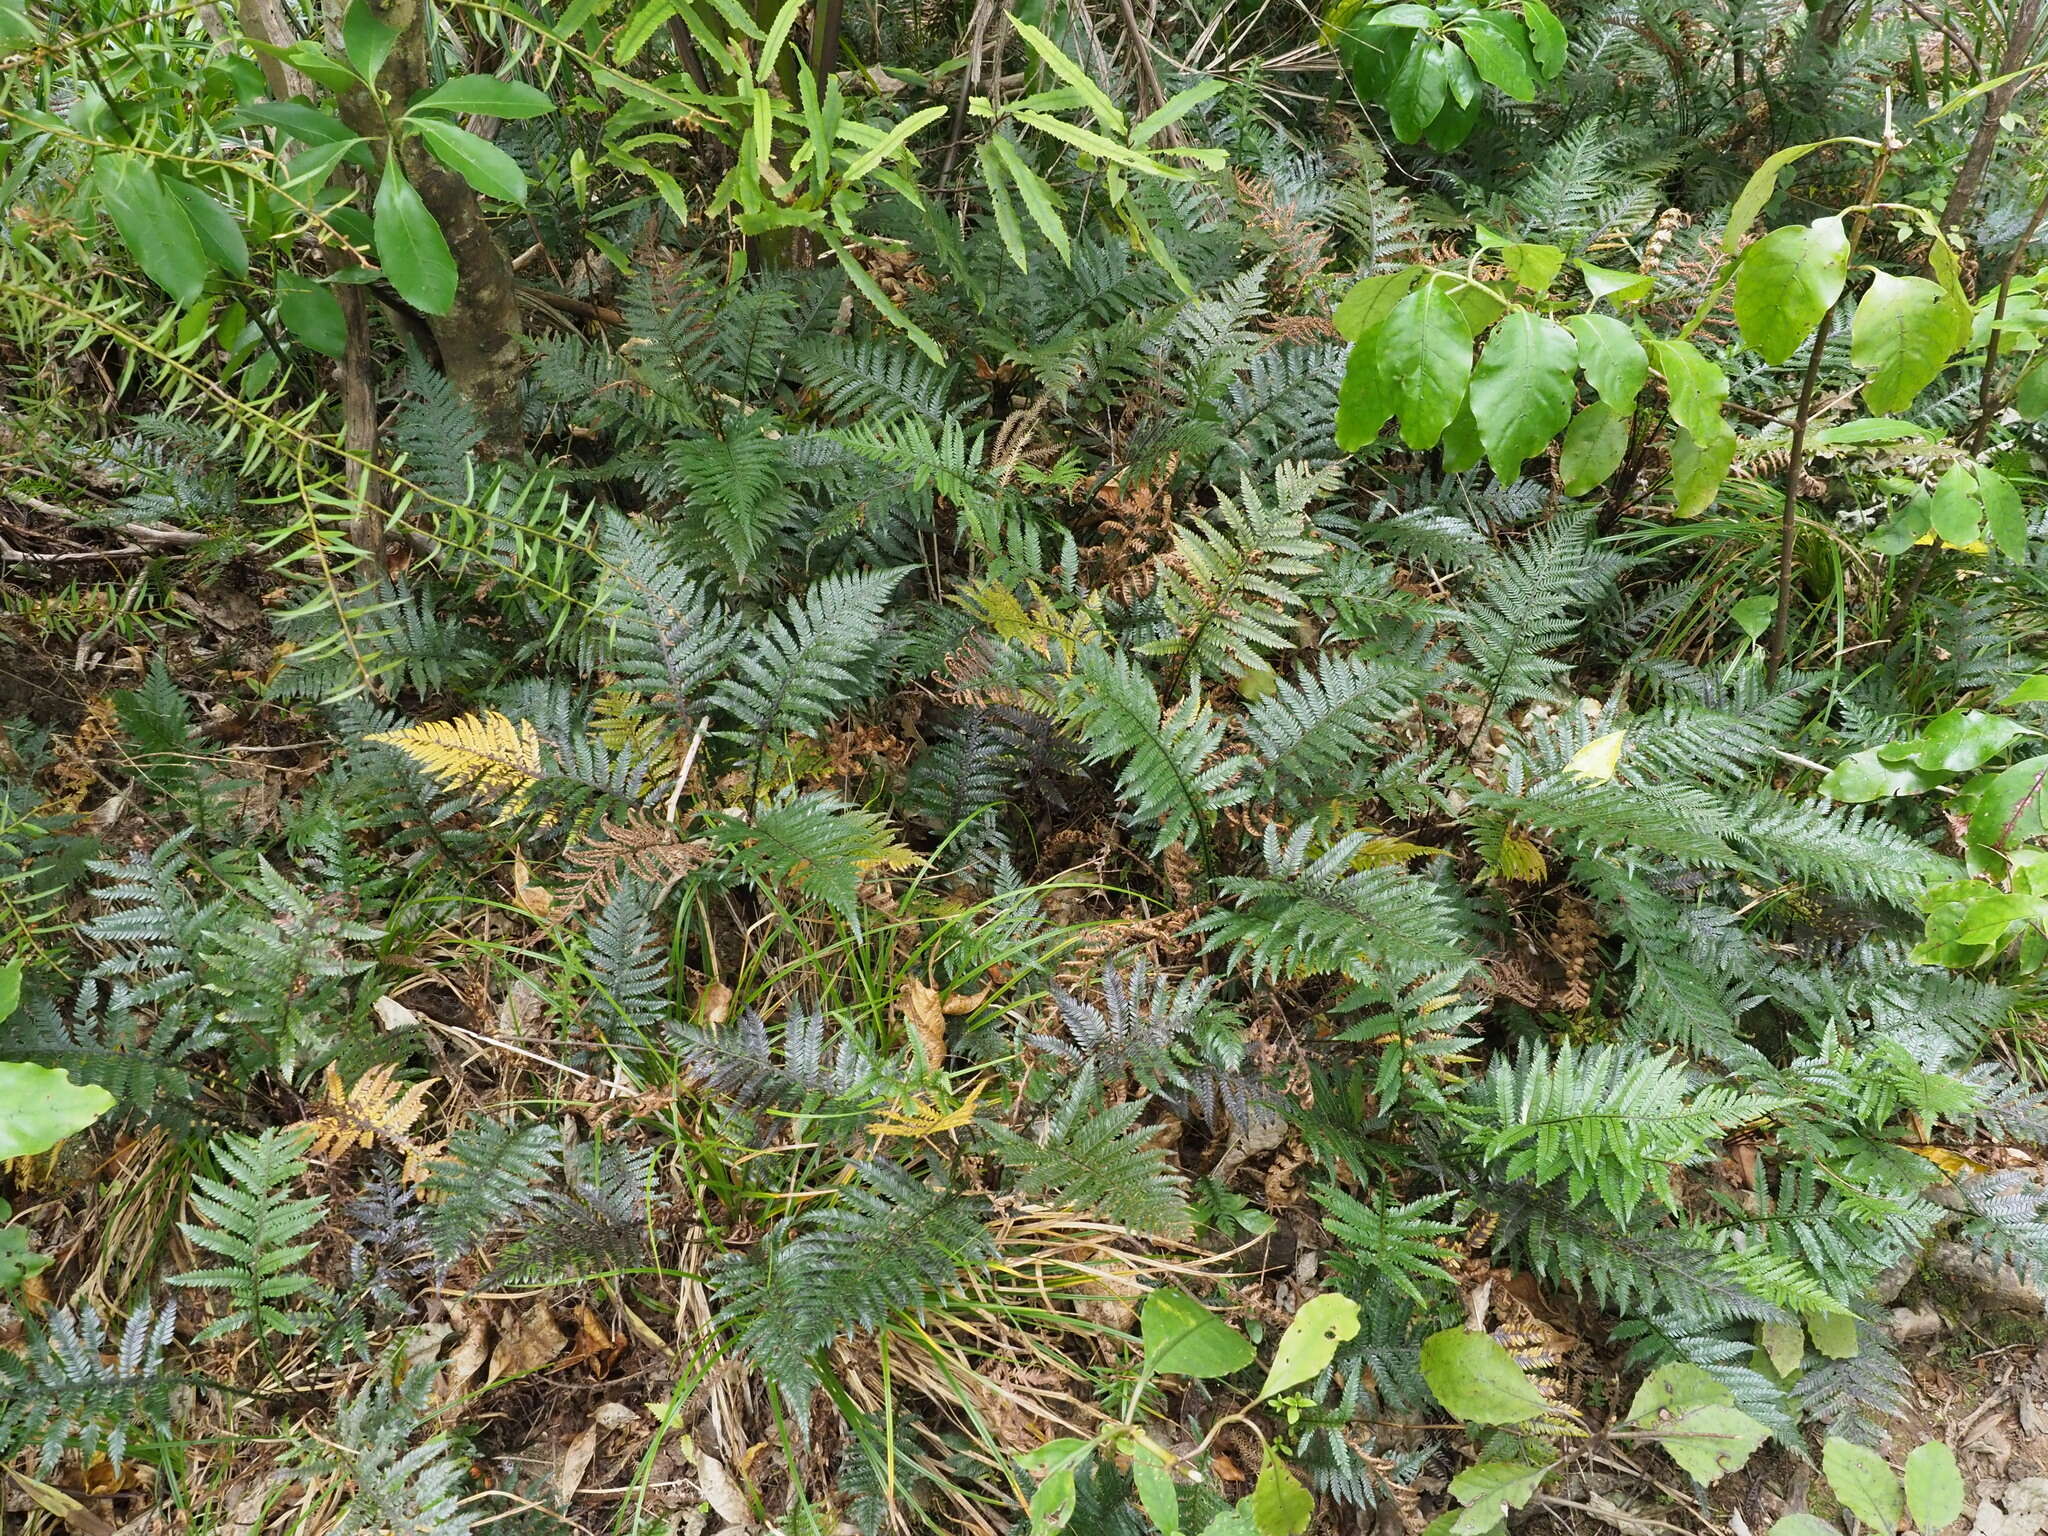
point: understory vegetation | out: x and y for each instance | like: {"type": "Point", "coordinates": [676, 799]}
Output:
{"type": "Point", "coordinates": [914, 767]}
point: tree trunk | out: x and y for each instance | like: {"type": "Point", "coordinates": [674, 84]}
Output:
{"type": "Point", "coordinates": [2020, 38]}
{"type": "Point", "coordinates": [478, 338]}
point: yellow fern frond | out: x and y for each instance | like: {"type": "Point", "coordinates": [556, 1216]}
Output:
{"type": "Point", "coordinates": [375, 1108]}
{"type": "Point", "coordinates": [487, 754]}
{"type": "Point", "coordinates": [923, 1119]}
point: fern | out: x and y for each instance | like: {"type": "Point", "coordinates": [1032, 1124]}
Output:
{"type": "Point", "coordinates": [668, 639]}
{"type": "Point", "coordinates": [1094, 1157]}
{"type": "Point", "coordinates": [252, 1225]}
{"type": "Point", "coordinates": [72, 1388]}
{"type": "Point", "coordinates": [814, 845]}
{"type": "Point", "coordinates": [1389, 1245]}
{"type": "Point", "coordinates": [484, 1181]}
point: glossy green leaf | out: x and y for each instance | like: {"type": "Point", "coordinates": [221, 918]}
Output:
{"type": "Point", "coordinates": [2032, 690]}
{"type": "Point", "coordinates": [1763, 181]}
{"type": "Point", "coordinates": [1365, 403]}
{"type": "Point", "coordinates": [153, 225]}
{"type": "Point", "coordinates": [1786, 282]}
{"type": "Point", "coordinates": [1905, 331]}
{"type": "Point", "coordinates": [1184, 1338]}
{"type": "Point", "coordinates": [1503, 61]}
{"type": "Point", "coordinates": [367, 39]}
{"type": "Point", "coordinates": [39, 1107]}
{"type": "Point", "coordinates": [1534, 267]}
{"type": "Point", "coordinates": [1963, 739]}
{"type": "Point", "coordinates": [1615, 287]}
{"type": "Point", "coordinates": [1695, 385]}
{"type": "Point", "coordinates": [2030, 399]}
{"type": "Point", "coordinates": [476, 160]}
{"type": "Point", "coordinates": [1934, 1488]}
{"type": "Point", "coordinates": [1425, 360]}
{"type": "Point", "coordinates": [312, 313]}
{"type": "Point", "coordinates": [1474, 1377]}
{"type": "Point", "coordinates": [1864, 777]}
{"type": "Point", "coordinates": [1864, 1482]}
{"type": "Point", "coordinates": [1522, 389]}
{"type": "Point", "coordinates": [219, 233]}
{"type": "Point", "coordinates": [1310, 1342]}
{"type": "Point", "coordinates": [1280, 1505]}
{"type": "Point", "coordinates": [486, 96]}
{"type": "Point", "coordinates": [1614, 361]}
{"type": "Point", "coordinates": [2008, 811]}
{"type": "Point", "coordinates": [1461, 447]}
{"type": "Point", "coordinates": [1594, 446]}
{"type": "Point", "coordinates": [1546, 37]}
{"type": "Point", "coordinates": [1418, 91]}
{"type": "Point", "coordinates": [410, 246]}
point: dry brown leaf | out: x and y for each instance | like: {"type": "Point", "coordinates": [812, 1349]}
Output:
{"type": "Point", "coordinates": [467, 1359]}
{"type": "Point", "coordinates": [392, 1014]}
{"type": "Point", "coordinates": [576, 1460]}
{"type": "Point", "coordinates": [925, 1013]}
{"type": "Point", "coordinates": [721, 1490]}
{"type": "Point", "coordinates": [964, 1002]}
{"type": "Point", "coordinates": [534, 900]}
{"type": "Point", "coordinates": [527, 1343]}
{"type": "Point", "coordinates": [714, 1003]}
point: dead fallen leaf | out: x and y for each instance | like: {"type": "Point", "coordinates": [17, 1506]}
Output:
{"type": "Point", "coordinates": [715, 1002]}
{"type": "Point", "coordinates": [721, 1491]}
{"type": "Point", "coordinates": [964, 1002]}
{"type": "Point", "coordinates": [466, 1360]}
{"type": "Point", "coordinates": [926, 1015]}
{"type": "Point", "coordinates": [529, 1342]}
{"type": "Point", "coordinates": [62, 1505]}
{"type": "Point", "coordinates": [576, 1460]}
{"type": "Point", "coordinates": [393, 1014]}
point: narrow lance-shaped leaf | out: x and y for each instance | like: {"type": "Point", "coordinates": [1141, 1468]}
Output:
{"type": "Point", "coordinates": [410, 246]}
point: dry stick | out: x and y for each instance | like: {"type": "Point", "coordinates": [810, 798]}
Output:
{"type": "Point", "coordinates": [1987, 410]}
{"type": "Point", "coordinates": [1795, 463]}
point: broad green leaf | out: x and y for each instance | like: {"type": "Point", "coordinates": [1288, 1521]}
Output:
{"type": "Point", "coordinates": [1803, 1524]}
{"type": "Point", "coordinates": [1474, 1377]}
{"type": "Point", "coordinates": [2008, 811]}
{"type": "Point", "coordinates": [1905, 331]}
{"type": "Point", "coordinates": [1372, 299]}
{"type": "Point", "coordinates": [1500, 62]}
{"type": "Point", "coordinates": [1052, 1502]}
{"type": "Point", "coordinates": [476, 160]}
{"type": "Point", "coordinates": [153, 225]}
{"type": "Point", "coordinates": [1546, 37]}
{"type": "Point", "coordinates": [1364, 401]}
{"type": "Point", "coordinates": [1786, 282]}
{"type": "Point", "coordinates": [312, 313]}
{"type": "Point", "coordinates": [367, 39]}
{"type": "Point", "coordinates": [1615, 287]}
{"type": "Point", "coordinates": [1417, 92]}
{"type": "Point", "coordinates": [1749, 202]}
{"type": "Point", "coordinates": [1425, 360]}
{"type": "Point", "coordinates": [1461, 447]}
{"type": "Point", "coordinates": [1698, 467]}
{"type": "Point", "coordinates": [2033, 690]}
{"type": "Point", "coordinates": [1783, 1342]}
{"type": "Point", "coordinates": [1863, 777]}
{"type": "Point", "coordinates": [15, 26]}
{"type": "Point", "coordinates": [220, 236]}
{"type": "Point", "coordinates": [1695, 385]}
{"type": "Point", "coordinates": [1614, 361]}
{"type": "Point", "coordinates": [1963, 739]}
{"type": "Point", "coordinates": [39, 1107]}
{"type": "Point", "coordinates": [309, 125]}
{"type": "Point", "coordinates": [1310, 1342]}
{"type": "Point", "coordinates": [1934, 1488]}
{"type": "Point", "coordinates": [1522, 389]}
{"type": "Point", "coordinates": [1864, 1482]}
{"type": "Point", "coordinates": [1594, 445]}
{"type": "Point", "coordinates": [1063, 1452]}
{"type": "Point", "coordinates": [1280, 1505]}
{"type": "Point", "coordinates": [1873, 429]}
{"type": "Point", "coordinates": [17, 1260]}
{"type": "Point", "coordinates": [410, 246]}
{"type": "Point", "coordinates": [1534, 267]}
{"type": "Point", "coordinates": [10, 989]}
{"type": "Point", "coordinates": [1956, 515]}
{"type": "Point", "coordinates": [2031, 398]}
{"type": "Point", "coordinates": [2004, 519]}
{"type": "Point", "coordinates": [1489, 1490]}
{"type": "Point", "coordinates": [1184, 1338]}
{"type": "Point", "coordinates": [1834, 1334]}
{"type": "Point", "coordinates": [486, 96]}
{"type": "Point", "coordinates": [1694, 1417]}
